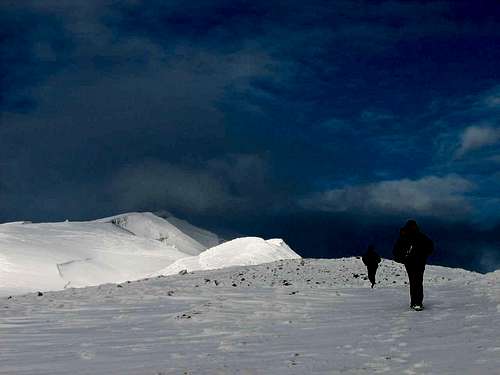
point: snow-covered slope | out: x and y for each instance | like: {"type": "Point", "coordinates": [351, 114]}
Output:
{"type": "Point", "coordinates": [148, 225]}
{"type": "Point", "coordinates": [297, 316]}
{"type": "Point", "coordinates": [203, 236]}
{"type": "Point", "coordinates": [52, 256]}
{"type": "Point", "coordinates": [243, 251]}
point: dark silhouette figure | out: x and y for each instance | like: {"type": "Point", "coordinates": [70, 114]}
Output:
{"type": "Point", "coordinates": [371, 260]}
{"type": "Point", "coordinates": [412, 249]}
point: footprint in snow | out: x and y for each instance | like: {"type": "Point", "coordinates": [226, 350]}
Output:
{"type": "Point", "coordinates": [87, 355]}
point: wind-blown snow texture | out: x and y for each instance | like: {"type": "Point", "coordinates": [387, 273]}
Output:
{"type": "Point", "coordinates": [150, 226]}
{"type": "Point", "coordinates": [291, 316]}
{"type": "Point", "coordinates": [203, 236]}
{"type": "Point", "coordinates": [131, 246]}
{"type": "Point", "coordinates": [51, 256]}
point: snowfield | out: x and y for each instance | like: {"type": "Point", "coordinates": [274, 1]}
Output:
{"type": "Point", "coordinates": [296, 316]}
{"type": "Point", "coordinates": [54, 256]}
{"type": "Point", "coordinates": [249, 305]}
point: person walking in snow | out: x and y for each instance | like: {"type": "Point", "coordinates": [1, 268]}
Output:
{"type": "Point", "coordinates": [371, 260]}
{"type": "Point", "coordinates": [412, 249]}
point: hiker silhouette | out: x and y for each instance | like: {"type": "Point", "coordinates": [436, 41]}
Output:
{"type": "Point", "coordinates": [412, 249]}
{"type": "Point", "coordinates": [371, 260]}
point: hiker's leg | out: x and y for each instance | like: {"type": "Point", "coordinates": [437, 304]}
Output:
{"type": "Point", "coordinates": [411, 280]}
{"type": "Point", "coordinates": [371, 274]}
{"type": "Point", "coordinates": [419, 287]}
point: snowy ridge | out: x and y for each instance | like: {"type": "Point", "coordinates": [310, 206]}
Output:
{"type": "Point", "coordinates": [53, 256]}
{"type": "Point", "coordinates": [206, 238]}
{"type": "Point", "coordinates": [347, 272]}
{"type": "Point", "coordinates": [244, 251]}
{"type": "Point", "coordinates": [148, 225]}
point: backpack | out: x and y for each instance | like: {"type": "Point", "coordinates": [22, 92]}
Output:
{"type": "Point", "coordinates": [407, 253]}
{"type": "Point", "coordinates": [403, 253]}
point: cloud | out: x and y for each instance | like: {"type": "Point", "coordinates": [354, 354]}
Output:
{"type": "Point", "coordinates": [112, 101]}
{"type": "Point", "coordinates": [105, 85]}
{"type": "Point", "coordinates": [492, 98]}
{"type": "Point", "coordinates": [161, 184]}
{"type": "Point", "coordinates": [472, 146]}
{"type": "Point", "coordinates": [234, 182]}
{"type": "Point", "coordinates": [477, 137]}
{"type": "Point", "coordinates": [429, 196]}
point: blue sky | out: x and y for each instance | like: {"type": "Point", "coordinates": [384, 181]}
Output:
{"type": "Point", "coordinates": [345, 118]}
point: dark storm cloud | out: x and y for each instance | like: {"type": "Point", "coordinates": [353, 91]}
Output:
{"type": "Point", "coordinates": [144, 103]}
{"type": "Point", "coordinates": [254, 117]}
{"type": "Point", "coordinates": [233, 182]}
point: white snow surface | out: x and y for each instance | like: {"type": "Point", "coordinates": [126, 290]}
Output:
{"type": "Point", "coordinates": [148, 225]}
{"type": "Point", "coordinates": [203, 236]}
{"type": "Point", "coordinates": [53, 256]}
{"type": "Point", "coordinates": [245, 251]}
{"type": "Point", "coordinates": [296, 316]}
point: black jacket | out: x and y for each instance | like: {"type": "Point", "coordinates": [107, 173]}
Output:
{"type": "Point", "coordinates": [371, 258]}
{"type": "Point", "coordinates": [413, 249]}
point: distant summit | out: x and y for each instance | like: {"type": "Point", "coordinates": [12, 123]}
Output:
{"type": "Point", "coordinates": [203, 236]}
{"type": "Point", "coordinates": [151, 226]}
{"type": "Point", "coordinates": [129, 246]}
